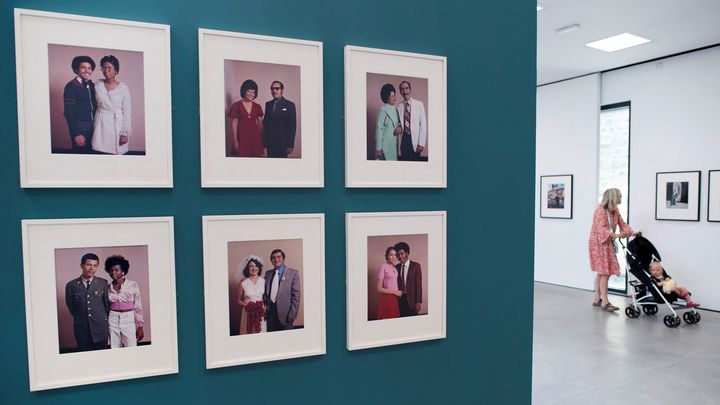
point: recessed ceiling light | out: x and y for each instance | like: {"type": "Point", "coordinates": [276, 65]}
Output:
{"type": "Point", "coordinates": [540, 7]}
{"type": "Point", "coordinates": [618, 42]}
{"type": "Point", "coordinates": [567, 28]}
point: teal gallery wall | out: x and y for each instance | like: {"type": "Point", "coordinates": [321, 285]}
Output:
{"type": "Point", "coordinates": [486, 358]}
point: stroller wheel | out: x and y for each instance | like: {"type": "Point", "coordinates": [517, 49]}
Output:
{"type": "Point", "coordinates": [631, 312]}
{"type": "Point", "coordinates": [650, 309]}
{"type": "Point", "coordinates": [689, 318]}
{"type": "Point", "coordinates": [697, 317]}
{"type": "Point", "coordinates": [671, 321]}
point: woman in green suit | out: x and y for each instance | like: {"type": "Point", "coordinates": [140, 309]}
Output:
{"type": "Point", "coordinates": [388, 126]}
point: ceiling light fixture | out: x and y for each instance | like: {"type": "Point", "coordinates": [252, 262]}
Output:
{"type": "Point", "coordinates": [618, 42]}
{"type": "Point", "coordinates": [540, 7]}
{"type": "Point", "coordinates": [567, 28]}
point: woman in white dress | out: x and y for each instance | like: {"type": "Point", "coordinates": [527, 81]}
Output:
{"type": "Point", "coordinates": [113, 119]}
{"type": "Point", "coordinates": [250, 296]}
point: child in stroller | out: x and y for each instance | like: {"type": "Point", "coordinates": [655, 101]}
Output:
{"type": "Point", "coordinates": [668, 285]}
{"type": "Point", "coordinates": [649, 294]}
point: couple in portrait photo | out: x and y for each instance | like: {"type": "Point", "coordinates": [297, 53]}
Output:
{"type": "Point", "coordinates": [401, 126]}
{"type": "Point", "coordinates": [103, 311]}
{"type": "Point", "coordinates": [262, 134]}
{"type": "Point", "coordinates": [270, 302]}
{"type": "Point", "coordinates": [399, 283]}
{"type": "Point", "coordinates": [98, 115]}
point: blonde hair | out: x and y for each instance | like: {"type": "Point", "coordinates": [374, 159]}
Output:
{"type": "Point", "coordinates": [610, 199]}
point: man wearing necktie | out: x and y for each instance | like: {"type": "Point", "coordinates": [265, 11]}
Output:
{"type": "Point", "coordinates": [282, 293]}
{"type": "Point", "coordinates": [414, 125]}
{"type": "Point", "coordinates": [80, 104]}
{"type": "Point", "coordinates": [409, 281]}
{"type": "Point", "coordinates": [87, 299]}
{"type": "Point", "coordinates": [279, 123]}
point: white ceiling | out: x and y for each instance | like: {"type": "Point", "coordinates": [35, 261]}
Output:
{"type": "Point", "coordinates": [673, 25]}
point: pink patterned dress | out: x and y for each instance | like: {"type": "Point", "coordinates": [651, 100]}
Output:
{"type": "Point", "coordinates": [603, 260]}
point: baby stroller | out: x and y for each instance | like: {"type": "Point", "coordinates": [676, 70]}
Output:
{"type": "Point", "coordinates": [639, 254]}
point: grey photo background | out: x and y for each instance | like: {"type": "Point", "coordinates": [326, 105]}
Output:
{"type": "Point", "coordinates": [131, 72]}
{"type": "Point", "coordinates": [375, 81]}
{"type": "Point", "coordinates": [67, 267]}
{"type": "Point", "coordinates": [376, 257]}
{"type": "Point", "coordinates": [238, 251]}
{"type": "Point", "coordinates": [237, 71]}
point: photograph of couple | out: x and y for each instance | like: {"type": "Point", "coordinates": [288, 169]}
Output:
{"type": "Point", "coordinates": [94, 108]}
{"type": "Point", "coordinates": [265, 293]}
{"type": "Point", "coordinates": [99, 306]}
{"type": "Point", "coordinates": [397, 286]}
{"type": "Point", "coordinates": [268, 128]}
{"type": "Point", "coordinates": [396, 118]}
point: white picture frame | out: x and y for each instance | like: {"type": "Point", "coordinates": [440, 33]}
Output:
{"type": "Point", "coordinates": [260, 55]}
{"type": "Point", "coordinates": [41, 122]}
{"type": "Point", "coordinates": [220, 233]}
{"type": "Point", "coordinates": [48, 366]}
{"type": "Point", "coordinates": [366, 69]}
{"type": "Point", "coordinates": [677, 196]}
{"type": "Point", "coordinates": [713, 214]}
{"type": "Point", "coordinates": [556, 196]}
{"type": "Point", "coordinates": [367, 234]}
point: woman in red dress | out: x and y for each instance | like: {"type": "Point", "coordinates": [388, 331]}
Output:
{"type": "Point", "coordinates": [247, 122]}
{"type": "Point", "coordinates": [387, 286]}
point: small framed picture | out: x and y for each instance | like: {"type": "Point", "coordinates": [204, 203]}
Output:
{"type": "Point", "coordinates": [556, 196]}
{"type": "Point", "coordinates": [713, 214]}
{"type": "Point", "coordinates": [100, 300]}
{"type": "Point", "coordinates": [677, 196]}
{"type": "Point", "coordinates": [264, 288]}
{"type": "Point", "coordinates": [261, 114]}
{"type": "Point", "coordinates": [94, 105]}
{"type": "Point", "coordinates": [395, 278]}
{"type": "Point", "coordinates": [395, 119]}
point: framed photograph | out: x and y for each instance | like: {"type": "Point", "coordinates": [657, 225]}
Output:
{"type": "Point", "coordinates": [677, 196]}
{"type": "Point", "coordinates": [264, 288]}
{"type": "Point", "coordinates": [395, 119]}
{"type": "Point", "coordinates": [261, 111]}
{"type": "Point", "coordinates": [556, 196]}
{"type": "Point", "coordinates": [395, 278]}
{"type": "Point", "coordinates": [713, 214]}
{"type": "Point", "coordinates": [94, 106]}
{"type": "Point", "coordinates": [99, 299]}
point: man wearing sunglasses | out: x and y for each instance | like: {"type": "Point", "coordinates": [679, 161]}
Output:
{"type": "Point", "coordinates": [279, 123]}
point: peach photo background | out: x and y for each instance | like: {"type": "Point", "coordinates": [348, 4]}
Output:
{"type": "Point", "coordinates": [236, 72]}
{"type": "Point", "coordinates": [67, 268]}
{"type": "Point", "coordinates": [131, 73]}
{"type": "Point", "coordinates": [238, 251]}
{"type": "Point", "coordinates": [376, 257]}
{"type": "Point", "coordinates": [375, 81]}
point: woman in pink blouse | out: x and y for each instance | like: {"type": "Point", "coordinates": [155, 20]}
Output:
{"type": "Point", "coordinates": [126, 312]}
{"type": "Point", "coordinates": [387, 286]}
{"type": "Point", "coordinates": [603, 247]}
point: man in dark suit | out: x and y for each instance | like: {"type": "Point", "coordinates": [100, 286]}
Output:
{"type": "Point", "coordinates": [409, 281]}
{"type": "Point", "coordinates": [87, 299]}
{"type": "Point", "coordinates": [80, 104]}
{"type": "Point", "coordinates": [282, 293]}
{"type": "Point", "coordinates": [279, 123]}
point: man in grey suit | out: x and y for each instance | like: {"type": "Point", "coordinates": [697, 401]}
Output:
{"type": "Point", "coordinates": [282, 293]}
{"type": "Point", "coordinates": [87, 299]}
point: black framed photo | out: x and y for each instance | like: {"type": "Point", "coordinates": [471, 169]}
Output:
{"type": "Point", "coordinates": [713, 213]}
{"type": "Point", "coordinates": [556, 196]}
{"type": "Point", "coordinates": [677, 196]}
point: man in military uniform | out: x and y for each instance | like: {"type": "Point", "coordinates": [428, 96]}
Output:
{"type": "Point", "coordinates": [87, 299]}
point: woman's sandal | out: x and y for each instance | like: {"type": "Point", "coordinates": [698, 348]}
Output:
{"type": "Point", "coordinates": [609, 307]}
{"type": "Point", "coordinates": [596, 304]}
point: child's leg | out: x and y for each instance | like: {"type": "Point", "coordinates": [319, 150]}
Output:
{"type": "Point", "coordinates": [684, 294]}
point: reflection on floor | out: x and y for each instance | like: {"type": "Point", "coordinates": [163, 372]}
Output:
{"type": "Point", "coordinates": [583, 355]}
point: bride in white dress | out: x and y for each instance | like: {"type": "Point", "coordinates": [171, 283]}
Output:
{"type": "Point", "coordinates": [113, 119]}
{"type": "Point", "coordinates": [250, 297]}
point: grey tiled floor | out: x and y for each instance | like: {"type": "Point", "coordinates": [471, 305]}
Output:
{"type": "Point", "coordinates": [582, 355]}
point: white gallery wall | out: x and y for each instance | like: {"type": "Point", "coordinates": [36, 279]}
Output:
{"type": "Point", "coordinates": [567, 128]}
{"type": "Point", "coordinates": [675, 126]}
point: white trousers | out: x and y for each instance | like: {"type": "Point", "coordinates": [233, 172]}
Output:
{"type": "Point", "coordinates": [122, 329]}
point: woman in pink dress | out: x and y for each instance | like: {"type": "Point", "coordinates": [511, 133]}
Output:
{"type": "Point", "coordinates": [247, 123]}
{"type": "Point", "coordinates": [602, 245]}
{"type": "Point", "coordinates": [387, 286]}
